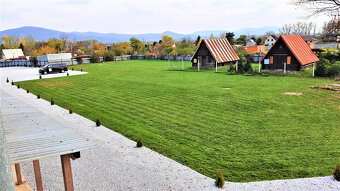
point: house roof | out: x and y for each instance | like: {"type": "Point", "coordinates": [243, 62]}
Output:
{"type": "Point", "coordinates": [299, 49]}
{"type": "Point", "coordinates": [220, 49]}
{"type": "Point", "coordinates": [309, 38]}
{"type": "Point", "coordinates": [12, 53]}
{"type": "Point", "coordinates": [274, 36]}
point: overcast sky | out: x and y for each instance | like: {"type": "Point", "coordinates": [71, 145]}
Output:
{"type": "Point", "coordinates": [149, 16]}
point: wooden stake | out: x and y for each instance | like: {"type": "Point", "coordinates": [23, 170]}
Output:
{"type": "Point", "coordinates": [216, 65]}
{"type": "Point", "coordinates": [236, 66]}
{"type": "Point", "coordinates": [259, 67]}
{"type": "Point", "coordinates": [18, 174]}
{"type": "Point", "coordinates": [198, 64]}
{"type": "Point", "coordinates": [37, 174]}
{"type": "Point", "coordinates": [313, 69]}
{"type": "Point", "coordinates": [67, 172]}
{"type": "Point", "coordinates": [182, 63]}
{"type": "Point", "coordinates": [284, 68]}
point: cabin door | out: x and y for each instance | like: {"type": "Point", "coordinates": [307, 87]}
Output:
{"type": "Point", "coordinates": [280, 60]}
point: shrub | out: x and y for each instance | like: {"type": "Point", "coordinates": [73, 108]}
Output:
{"type": "Point", "coordinates": [98, 122]}
{"type": "Point", "coordinates": [247, 67]}
{"type": "Point", "coordinates": [38, 96]}
{"type": "Point", "coordinates": [40, 77]}
{"type": "Point", "coordinates": [333, 70]}
{"type": "Point", "coordinates": [12, 83]}
{"type": "Point", "coordinates": [109, 55]}
{"type": "Point", "coordinates": [52, 101]}
{"type": "Point", "coordinates": [139, 143]}
{"type": "Point", "coordinates": [320, 69]}
{"type": "Point", "coordinates": [72, 69]}
{"type": "Point", "coordinates": [219, 182]}
{"type": "Point", "coordinates": [79, 60]}
{"type": "Point", "coordinates": [336, 173]}
{"type": "Point", "coordinates": [18, 86]}
{"type": "Point", "coordinates": [28, 91]}
{"type": "Point", "coordinates": [70, 110]}
{"type": "Point", "coordinates": [7, 80]}
{"type": "Point", "coordinates": [67, 74]}
{"type": "Point", "coordinates": [94, 58]}
{"type": "Point", "coordinates": [232, 70]}
{"type": "Point", "coordinates": [81, 70]}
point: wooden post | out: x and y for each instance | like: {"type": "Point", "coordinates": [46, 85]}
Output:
{"type": "Point", "coordinates": [182, 63]}
{"type": "Point", "coordinates": [284, 68]}
{"type": "Point", "coordinates": [18, 174]}
{"type": "Point", "coordinates": [198, 64]}
{"type": "Point", "coordinates": [67, 172]}
{"type": "Point", "coordinates": [259, 67]}
{"type": "Point", "coordinates": [236, 66]}
{"type": "Point", "coordinates": [216, 65]}
{"type": "Point", "coordinates": [37, 174]}
{"type": "Point", "coordinates": [313, 69]}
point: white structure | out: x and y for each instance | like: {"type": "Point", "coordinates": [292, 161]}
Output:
{"type": "Point", "coordinates": [250, 42]}
{"type": "Point", "coordinates": [270, 41]}
{"type": "Point", "coordinates": [56, 58]}
{"type": "Point", "coordinates": [9, 54]}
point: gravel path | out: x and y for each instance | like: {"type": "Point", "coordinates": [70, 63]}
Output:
{"type": "Point", "coordinates": [117, 165]}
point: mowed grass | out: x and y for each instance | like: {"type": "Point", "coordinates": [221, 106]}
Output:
{"type": "Point", "coordinates": [251, 131]}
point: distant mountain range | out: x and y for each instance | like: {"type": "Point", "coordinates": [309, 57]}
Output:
{"type": "Point", "coordinates": [42, 34]}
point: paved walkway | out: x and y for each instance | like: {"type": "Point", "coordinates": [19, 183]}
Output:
{"type": "Point", "coordinates": [118, 165]}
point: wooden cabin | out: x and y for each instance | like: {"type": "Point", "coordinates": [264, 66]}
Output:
{"type": "Point", "coordinates": [289, 53]}
{"type": "Point", "coordinates": [213, 53]}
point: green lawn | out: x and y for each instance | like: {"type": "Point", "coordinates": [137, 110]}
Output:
{"type": "Point", "coordinates": [251, 131]}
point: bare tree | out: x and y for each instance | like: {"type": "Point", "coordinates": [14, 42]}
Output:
{"type": "Point", "coordinates": [301, 28]}
{"type": "Point", "coordinates": [328, 7]}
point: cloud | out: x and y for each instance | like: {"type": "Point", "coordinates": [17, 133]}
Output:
{"type": "Point", "coordinates": [136, 16]}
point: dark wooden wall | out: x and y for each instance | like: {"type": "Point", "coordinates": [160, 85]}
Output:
{"type": "Point", "coordinates": [280, 52]}
{"type": "Point", "coordinates": [205, 58]}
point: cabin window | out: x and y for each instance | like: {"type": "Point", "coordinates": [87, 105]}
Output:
{"type": "Point", "coordinates": [271, 59]}
{"type": "Point", "coordinates": [289, 59]}
{"type": "Point", "coordinates": [195, 61]}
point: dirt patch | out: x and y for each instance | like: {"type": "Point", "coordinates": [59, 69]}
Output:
{"type": "Point", "coordinates": [227, 88]}
{"type": "Point", "coordinates": [293, 93]}
{"type": "Point", "coordinates": [331, 87]}
{"type": "Point", "coordinates": [336, 96]}
{"type": "Point", "coordinates": [81, 105]}
{"type": "Point", "coordinates": [55, 84]}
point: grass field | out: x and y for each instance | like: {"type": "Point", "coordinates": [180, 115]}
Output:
{"type": "Point", "coordinates": [251, 131]}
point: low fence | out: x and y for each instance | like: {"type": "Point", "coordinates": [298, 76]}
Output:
{"type": "Point", "coordinates": [153, 57]}
{"type": "Point", "coordinates": [31, 63]}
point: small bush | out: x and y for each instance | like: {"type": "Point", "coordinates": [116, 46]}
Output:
{"type": "Point", "coordinates": [320, 69]}
{"type": "Point", "coordinates": [219, 182]}
{"type": "Point", "coordinates": [70, 110]}
{"type": "Point", "coordinates": [28, 91]}
{"type": "Point", "coordinates": [94, 58]}
{"type": "Point", "coordinates": [52, 101]}
{"type": "Point", "coordinates": [333, 71]}
{"type": "Point", "coordinates": [81, 70]}
{"type": "Point", "coordinates": [98, 122]}
{"type": "Point", "coordinates": [38, 96]}
{"type": "Point", "coordinates": [72, 69]}
{"type": "Point", "coordinates": [40, 77]}
{"type": "Point", "coordinates": [12, 83]}
{"type": "Point", "coordinates": [336, 173]}
{"type": "Point", "coordinates": [67, 74]}
{"type": "Point", "coordinates": [79, 60]}
{"type": "Point", "coordinates": [18, 86]}
{"type": "Point", "coordinates": [247, 67]}
{"type": "Point", "coordinates": [7, 80]}
{"type": "Point", "coordinates": [139, 143]}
